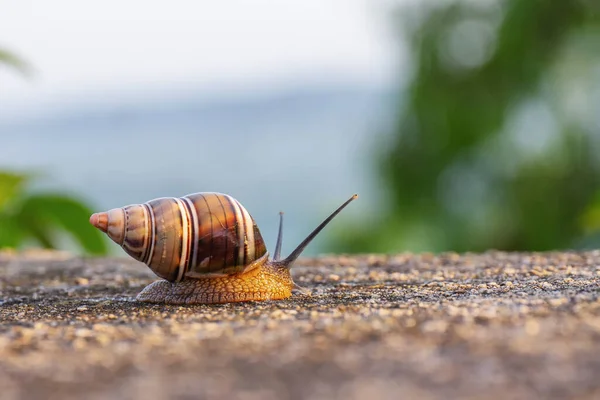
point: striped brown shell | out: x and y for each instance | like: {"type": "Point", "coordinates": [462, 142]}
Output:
{"type": "Point", "coordinates": [198, 235]}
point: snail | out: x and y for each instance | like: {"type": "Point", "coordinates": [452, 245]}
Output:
{"type": "Point", "coordinates": [205, 246]}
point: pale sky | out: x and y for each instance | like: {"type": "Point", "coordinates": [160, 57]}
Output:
{"type": "Point", "coordinates": [99, 50]}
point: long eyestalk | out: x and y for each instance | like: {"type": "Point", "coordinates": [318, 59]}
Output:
{"type": "Point", "coordinates": [296, 253]}
{"type": "Point", "coordinates": [277, 253]}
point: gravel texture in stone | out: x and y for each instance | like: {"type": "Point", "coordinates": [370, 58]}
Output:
{"type": "Point", "coordinates": [449, 326]}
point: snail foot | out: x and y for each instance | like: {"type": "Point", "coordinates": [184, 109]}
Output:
{"type": "Point", "coordinates": [188, 291]}
{"type": "Point", "coordinates": [218, 290]}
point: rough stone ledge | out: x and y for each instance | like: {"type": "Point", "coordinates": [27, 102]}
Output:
{"type": "Point", "coordinates": [494, 325]}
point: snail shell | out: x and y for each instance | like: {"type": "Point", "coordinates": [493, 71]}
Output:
{"type": "Point", "coordinates": [199, 235]}
{"type": "Point", "coordinates": [206, 246]}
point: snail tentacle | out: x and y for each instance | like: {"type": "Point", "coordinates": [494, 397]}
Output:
{"type": "Point", "coordinates": [277, 253]}
{"type": "Point", "coordinates": [296, 253]}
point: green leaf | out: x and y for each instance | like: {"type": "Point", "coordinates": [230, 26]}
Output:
{"type": "Point", "coordinates": [590, 219]}
{"type": "Point", "coordinates": [11, 186]}
{"type": "Point", "coordinates": [37, 228]}
{"type": "Point", "coordinates": [14, 61]}
{"type": "Point", "coordinates": [11, 233]}
{"type": "Point", "coordinates": [45, 210]}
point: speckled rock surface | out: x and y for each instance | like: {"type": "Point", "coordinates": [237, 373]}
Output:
{"type": "Point", "coordinates": [493, 326]}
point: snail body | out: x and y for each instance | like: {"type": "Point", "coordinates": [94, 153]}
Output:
{"type": "Point", "coordinates": [205, 246]}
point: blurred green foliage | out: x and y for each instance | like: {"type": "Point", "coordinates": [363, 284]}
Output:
{"type": "Point", "coordinates": [497, 143]}
{"type": "Point", "coordinates": [12, 60]}
{"type": "Point", "coordinates": [42, 218]}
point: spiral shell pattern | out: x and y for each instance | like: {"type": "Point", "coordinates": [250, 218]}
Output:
{"type": "Point", "coordinates": [198, 235]}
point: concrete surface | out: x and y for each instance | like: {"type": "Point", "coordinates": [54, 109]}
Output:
{"type": "Point", "coordinates": [493, 326]}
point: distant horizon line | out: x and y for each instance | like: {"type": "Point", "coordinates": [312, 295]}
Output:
{"type": "Point", "coordinates": [142, 98]}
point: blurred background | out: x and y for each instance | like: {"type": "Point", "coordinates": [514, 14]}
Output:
{"type": "Point", "coordinates": [463, 125]}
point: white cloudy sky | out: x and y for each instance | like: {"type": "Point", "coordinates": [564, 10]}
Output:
{"type": "Point", "coordinates": [137, 48]}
